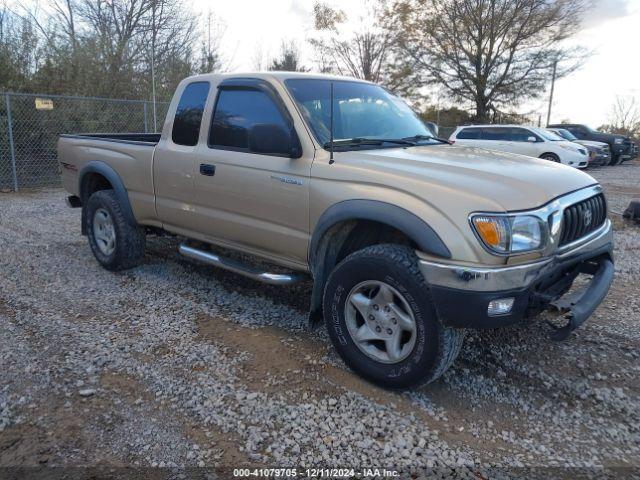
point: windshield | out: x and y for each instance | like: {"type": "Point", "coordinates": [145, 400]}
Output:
{"type": "Point", "coordinates": [567, 134]}
{"type": "Point", "coordinates": [360, 111]}
{"type": "Point", "coordinates": [548, 135]}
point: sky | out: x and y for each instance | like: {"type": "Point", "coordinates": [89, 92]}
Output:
{"type": "Point", "coordinates": [254, 29]}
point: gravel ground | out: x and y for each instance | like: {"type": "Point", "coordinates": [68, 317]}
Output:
{"type": "Point", "coordinates": [176, 365]}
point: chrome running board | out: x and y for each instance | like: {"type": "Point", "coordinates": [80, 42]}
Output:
{"type": "Point", "coordinates": [239, 268]}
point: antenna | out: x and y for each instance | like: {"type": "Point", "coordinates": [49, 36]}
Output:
{"type": "Point", "coordinates": [331, 127]}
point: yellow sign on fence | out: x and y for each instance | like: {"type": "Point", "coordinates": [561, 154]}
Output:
{"type": "Point", "coordinates": [44, 104]}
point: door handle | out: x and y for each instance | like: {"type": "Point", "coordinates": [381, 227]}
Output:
{"type": "Point", "coordinates": [208, 170]}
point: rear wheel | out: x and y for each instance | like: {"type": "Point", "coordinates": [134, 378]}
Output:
{"type": "Point", "coordinates": [552, 157]}
{"type": "Point", "coordinates": [382, 321]}
{"type": "Point", "coordinates": [115, 243]}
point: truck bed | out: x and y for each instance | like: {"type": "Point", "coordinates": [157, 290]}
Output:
{"type": "Point", "coordinates": [129, 155]}
{"type": "Point", "coordinates": [146, 138]}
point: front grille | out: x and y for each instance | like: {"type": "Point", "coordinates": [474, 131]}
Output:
{"type": "Point", "coordinates": [582, 218]}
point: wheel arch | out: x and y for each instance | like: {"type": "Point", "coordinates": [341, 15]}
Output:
{"type": "Point", "coordinates": [551, 154]}
{"type": "Point", "coordinates": [342, 222]}
{"type": "Point", "coordinates": [97, 175]}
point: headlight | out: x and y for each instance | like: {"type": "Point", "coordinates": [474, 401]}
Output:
{"type": "Point", "coordinates": [570, 148]}
{"type": "Point", "coordinates": [618, 141]}
{"type": "Point", "coordinates": [506, 234]}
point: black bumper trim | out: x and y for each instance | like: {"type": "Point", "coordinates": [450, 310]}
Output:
{"type": "Point", "coordinates": [589, 301]}
{"type": "Point", "coordinates": [468, 309]}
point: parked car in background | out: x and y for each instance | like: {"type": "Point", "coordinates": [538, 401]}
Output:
{"type": "Point", "coordinates": [530, 141]}
{"type": "Point", "coordinates": [622, 148]}
{"type": "Point", "coordinates": [599, 152]}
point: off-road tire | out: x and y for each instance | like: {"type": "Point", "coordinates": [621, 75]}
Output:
{"type": "Point", "coordinates": [130, 240]}
{"type": "Point", "coordinates": [436, 347]}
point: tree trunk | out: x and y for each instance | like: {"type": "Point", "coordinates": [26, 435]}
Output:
{"type": "Point", "coordinates": [482, 110]}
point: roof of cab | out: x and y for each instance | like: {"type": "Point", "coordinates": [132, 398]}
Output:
{"type": "Point", "coordinates": [277, 76]}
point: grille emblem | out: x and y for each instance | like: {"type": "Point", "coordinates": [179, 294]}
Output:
{"type": "Point", "coordinates": [587, 216]}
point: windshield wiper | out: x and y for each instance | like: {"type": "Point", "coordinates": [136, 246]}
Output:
{"type": "Point", "coordinates": [417, 138]}
{"type": "Point", "coordinates": [369, 141]}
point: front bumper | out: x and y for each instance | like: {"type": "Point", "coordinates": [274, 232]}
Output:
{"type": "Point", "coordinates": [599, 158]}
{"type": "Point", "coordinates": [462, 293]}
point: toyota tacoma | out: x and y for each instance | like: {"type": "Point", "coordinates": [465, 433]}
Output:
{"type": "Point", "coordinates": [409, 240]}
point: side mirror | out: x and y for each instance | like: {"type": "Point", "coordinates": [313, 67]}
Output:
{"type": "Point", "coordinates": [270, 139]}
{"type": "Point", "coordinates": [532, 139]}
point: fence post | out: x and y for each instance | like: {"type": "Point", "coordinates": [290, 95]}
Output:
{"type": "Point", "coordinates": [12, 149]}
{"type": "Point", "coordinates": [146, 126]}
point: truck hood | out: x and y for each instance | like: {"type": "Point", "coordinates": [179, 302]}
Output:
{"type": "Point", "coordinates": [612, 136]}
{"type": "Point", "coordinates": [497, 180]}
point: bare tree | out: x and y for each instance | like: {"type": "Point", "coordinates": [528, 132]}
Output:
{"type": "Point", "coordinates": [625, 117]}
{"type": "Point", "coordinates": [361, 49]}
{"type": "Point", "coordinates": [212, 59]}
{"type": "Point", "coordinates": [20, 50]}
{"type": "Point", "coordinates": [288, 60]}
{"type": "Point", "coordinates": [491, 54]}
{"type": "Point", "coordinates": [359, 54]}
{"type": "Point", "coordinates": [258, 58]}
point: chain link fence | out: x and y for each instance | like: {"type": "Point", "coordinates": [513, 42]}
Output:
{"type": "Point", "coordinates": [30, 125]}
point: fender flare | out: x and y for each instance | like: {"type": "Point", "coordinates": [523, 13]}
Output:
{"type": "Point", "coordinates": [403, 220]}
{"type": "Point", "coordinates": [408, 223]}
{"type": "Point", "coordinates": [114, 179]}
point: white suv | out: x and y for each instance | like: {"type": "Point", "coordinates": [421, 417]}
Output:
{"type": "Point", "coordinates": [531, 141]}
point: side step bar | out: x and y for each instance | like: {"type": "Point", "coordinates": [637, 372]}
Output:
{"type": "Point", "coordinates": [239, 268]}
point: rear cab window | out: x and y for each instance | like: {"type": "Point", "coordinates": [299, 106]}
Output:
{"type": "Point", "coordinates": [188, 118]}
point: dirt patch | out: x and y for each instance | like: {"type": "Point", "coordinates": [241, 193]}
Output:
{"type": "Point", "coordinates": [24, 445]}
{"type": "Point", "coordinates": [275, 357]}
{"type": "Point", "coordinates": [59, 428]}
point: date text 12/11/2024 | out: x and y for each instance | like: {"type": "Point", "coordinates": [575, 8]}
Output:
{"type": "Point", "coordinates": [315, 473]}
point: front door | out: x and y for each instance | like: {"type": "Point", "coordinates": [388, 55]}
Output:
{"type": "Point", "coordinates": [520, 142]}
{"type": "Point", "coordinates": [256, 201]}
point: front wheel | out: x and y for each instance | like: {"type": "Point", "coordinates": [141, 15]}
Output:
{"type": "Point", "coordinates": [382, 321]}
{"type": "Point", "coordinates": [552, 157]}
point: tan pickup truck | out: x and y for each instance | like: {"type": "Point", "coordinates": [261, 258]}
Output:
{"type": "Point", "coordinates": [409, 240]}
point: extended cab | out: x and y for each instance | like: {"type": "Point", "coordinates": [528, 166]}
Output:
{"type": "Point", "coordinates": [409, 240]}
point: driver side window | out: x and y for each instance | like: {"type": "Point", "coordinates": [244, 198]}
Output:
{"type": "Point", "coordinates": [520, 135]}
{"type": "Point", "coordinates": [236, 112]}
